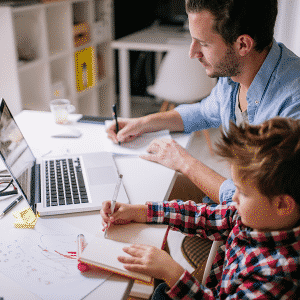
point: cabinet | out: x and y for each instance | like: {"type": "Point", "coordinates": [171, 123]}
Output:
{"type": "Point", "coordinates": [39, 60]}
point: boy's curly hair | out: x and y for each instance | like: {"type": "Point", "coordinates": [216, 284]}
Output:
{"type": "Point", "coordinates": [268, 153]}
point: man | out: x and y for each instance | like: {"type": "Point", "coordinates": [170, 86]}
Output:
{"type": "Point", "coordinates": [258, 79]}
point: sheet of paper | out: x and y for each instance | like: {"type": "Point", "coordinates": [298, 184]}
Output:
{"type": "Point", "coordinates": [43, 260]}
{"type": "Point", "coordinates": [137, 233]}
{"type": "Point", "coordinates": [139, 145]}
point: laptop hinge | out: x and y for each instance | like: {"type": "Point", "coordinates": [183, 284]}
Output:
{"type": "Point", "coordinates": [36, 187]}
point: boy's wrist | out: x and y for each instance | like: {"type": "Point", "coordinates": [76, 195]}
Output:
{"type": "Point", "coordinates": [141, 213]}
{"type": "Point", "coordinates": [173, 275]}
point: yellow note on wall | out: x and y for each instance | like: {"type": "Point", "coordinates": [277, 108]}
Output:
{"type": "Point", "coordinates": [85, 69]}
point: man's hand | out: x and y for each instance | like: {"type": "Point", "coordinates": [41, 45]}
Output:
{"type": "Point", "coordinates": [123, 214]}
{"type": "Point", "coordinates": [152, 261]}
{"type": "Point", "coordinates": [129, 129]}
{"type": "Point", "coordinates": [168, 153]}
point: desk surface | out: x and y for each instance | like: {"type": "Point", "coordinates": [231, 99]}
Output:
{"type": "Point", "coordinates": [154, 38]}
{"type": "Point", "coordinates": [140, 177]}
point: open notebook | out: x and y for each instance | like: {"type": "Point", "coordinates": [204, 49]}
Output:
{"type": "Point", "coordinates": [103, 252]}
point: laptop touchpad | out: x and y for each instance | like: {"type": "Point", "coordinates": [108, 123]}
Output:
{"type": "Point", "coordinates": [102, 175]}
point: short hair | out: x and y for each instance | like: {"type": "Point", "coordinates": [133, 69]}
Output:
{"type": "Point", "coordinates": [269, 154]}
{"type": "Point", "coordinates": [234, 18]}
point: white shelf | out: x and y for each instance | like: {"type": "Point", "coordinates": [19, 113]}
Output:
{"type": "Point", "coordinates": [58, 55]}
{"type": "Point", "coordinates": [42, 38]}
{"type": "Point", "coordinates": [28, 31]}
{"type": "Point", "coordinates": [34, 86]}
{"type": "Point", "coordinates": [59, 27]}
{"type": "Point", "coordinates": [24, 66]}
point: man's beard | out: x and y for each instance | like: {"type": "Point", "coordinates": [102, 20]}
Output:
{"type": "Point", "coordinates": [227, 67]}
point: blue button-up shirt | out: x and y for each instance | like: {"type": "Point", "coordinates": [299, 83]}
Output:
{"type": "Point", "coordinates": [275, 91]}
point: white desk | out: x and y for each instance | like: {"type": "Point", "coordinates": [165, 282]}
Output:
{"type": "Point", "coordinates": [143, 181]}
{"type": "Point", "coordinates": [155, 38]}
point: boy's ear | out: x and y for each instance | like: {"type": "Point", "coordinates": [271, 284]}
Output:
{"type": "Point", "coordinates": [285, 205]}
{"type": "Point", "coordinates": [244, 44]}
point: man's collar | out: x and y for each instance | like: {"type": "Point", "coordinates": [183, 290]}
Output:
{"type": "Point", "coordinates": [262, 77]}
{"type": "Point", "coordinates": [260, 81]}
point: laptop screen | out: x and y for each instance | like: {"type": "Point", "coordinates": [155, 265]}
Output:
{"type": "Point", "coordinates": [15, 152]}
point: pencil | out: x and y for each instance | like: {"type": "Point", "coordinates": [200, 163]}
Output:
{"type": "Point", "coordinates": [114, 199]}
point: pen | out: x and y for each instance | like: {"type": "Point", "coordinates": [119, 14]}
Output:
{"type": "Point", "coordinates": [116, 118]}
{"type": "Point", "coordinates": [81, 243]}
{"type": "Point", "coordinates": [11, 206]}
{"type": "Point", "coordinates": [115, 196]}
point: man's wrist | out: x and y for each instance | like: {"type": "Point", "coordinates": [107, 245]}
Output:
{"type": "Point", "coordinates": [170, 120]}
{"type": "Point", "coordinates": [151, 123]}
{"type": "Point", "coordinates": [187, 164]}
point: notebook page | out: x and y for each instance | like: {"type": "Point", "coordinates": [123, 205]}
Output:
{"type": "Point", "coordinates": [139, 145]}
{"type": "Point", "coordinates": [138, 233]}
{"type": "Point", "coordinates": [104, 253]}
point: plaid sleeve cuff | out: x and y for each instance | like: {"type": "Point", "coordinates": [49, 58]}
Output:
{"type": "Point", "coordinates": [155, 212]}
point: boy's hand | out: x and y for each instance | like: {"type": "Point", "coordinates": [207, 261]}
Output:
{"type": "Point", "coordinates": [152, 261]}
{"type": "Point", "coordinates": [123, 214]}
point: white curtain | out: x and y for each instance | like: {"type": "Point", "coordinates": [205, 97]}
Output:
{"type": "Point", "coordinates": [287, 27]}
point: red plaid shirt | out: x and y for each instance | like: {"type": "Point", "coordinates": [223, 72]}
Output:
{"type": "Point", "coordinates": [257, 265]}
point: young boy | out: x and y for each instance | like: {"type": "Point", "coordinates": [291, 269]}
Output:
{"type": "Point", "coordinates": [260, 224]}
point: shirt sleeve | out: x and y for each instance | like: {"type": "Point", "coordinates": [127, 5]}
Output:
{"type": "Point", "coordinates": [204, 114]}
{"type": "Point", "coordinates": [208, 221]}
{"type": "Point", "coordinates": [187, 287]}
{"type": "Point", "coordinates": [253, 287]}
{"type": "Point", "coordinates": [226, 192]}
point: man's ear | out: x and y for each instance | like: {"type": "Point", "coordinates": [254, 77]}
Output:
{"type": "Point", "coordinates": [285, 205]}
{"type": "Point", "coordinates": [244, 44]}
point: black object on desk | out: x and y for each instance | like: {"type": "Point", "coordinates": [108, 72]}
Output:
{"type": "Point", "coordinates": [93, 119]}
{"type": "Point", "coordinates": [116, 118]}
{"type": "Point", "coordinates": [7, 191]}
{"type": "Point", "coordinates": [11, 206]}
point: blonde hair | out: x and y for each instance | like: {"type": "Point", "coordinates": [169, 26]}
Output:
{"type": "Point", "coordinates": [268, 153]}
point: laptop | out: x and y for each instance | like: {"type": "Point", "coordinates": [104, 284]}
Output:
{"type": "Point", "coordinates": [59, 185]}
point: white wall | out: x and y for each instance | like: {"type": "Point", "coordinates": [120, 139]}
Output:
{"type": "Point", "coordinates": [287, 27]}
{"type": "Point", "coordinates": [8, 68]}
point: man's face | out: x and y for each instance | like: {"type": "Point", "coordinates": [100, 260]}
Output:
{"type": "Point", "coordinates": [218, 59]}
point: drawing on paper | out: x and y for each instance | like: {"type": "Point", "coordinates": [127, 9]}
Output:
{"type": "Point", "coordinates": [44, 260]}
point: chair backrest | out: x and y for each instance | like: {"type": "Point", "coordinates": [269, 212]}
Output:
{"type": "Point", "coordinates": [212, 254]}
{"type": "Point", "coordinates": [181, 79]}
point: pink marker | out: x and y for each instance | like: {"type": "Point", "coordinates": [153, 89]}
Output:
{"type": "Point", "coordinates": [82, 267]}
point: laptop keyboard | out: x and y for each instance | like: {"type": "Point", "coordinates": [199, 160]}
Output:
{"type": "Point", "coordinates": [64, 182]}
